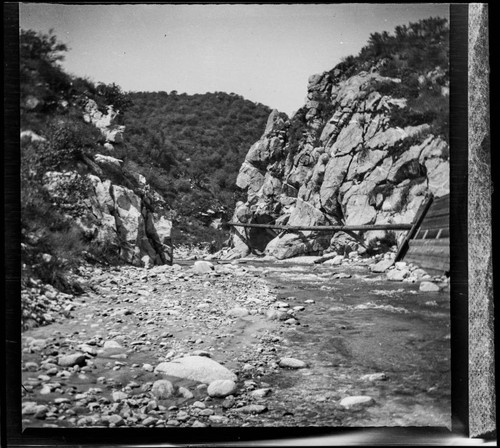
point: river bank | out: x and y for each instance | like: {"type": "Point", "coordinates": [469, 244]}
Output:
{"type": "Point", "coordinates": [309, 345]}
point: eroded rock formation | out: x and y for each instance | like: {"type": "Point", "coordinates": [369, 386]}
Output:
{"type": "Point", "coordinates": [339, 160]}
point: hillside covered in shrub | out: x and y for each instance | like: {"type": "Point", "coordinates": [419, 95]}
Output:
{"type": "Point", "coordinates": [190, 148]}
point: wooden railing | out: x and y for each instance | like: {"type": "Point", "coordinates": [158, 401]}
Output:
{"type": "Point", "coordinates": [325, 228]}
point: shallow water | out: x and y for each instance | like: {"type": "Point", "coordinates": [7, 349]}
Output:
{"type": "Point", "coordinates": [363, 325]}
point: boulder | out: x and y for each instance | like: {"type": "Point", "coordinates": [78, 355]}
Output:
{"type": "Point", "coordinates": [75, 359]}
{"type": "Point", "coordinates": [196, 368]}
{"type": "Point", "coordinates": [428, 287]}
{"type": "Point", "coordinates": [221, 388]}
{"type": "Point", "coordinates": [203, 267]}
{"type": "Point", "coordinates": [162, 389]}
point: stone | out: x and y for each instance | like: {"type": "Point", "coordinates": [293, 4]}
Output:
{"type": "Point", "coordinates": [260, 393]}
{"type": "Point", "coordinates": [428, 287]}
{"type": "Point", "coordinates": [196, 368]}
{"type": "Point", "coordinates": [382, 266]}
{"type": "Point", "coordinates": [202, 353]}
{"type": "Point", "coordinates": [357, 401]}
{"type": "Point", "coordinates": [75, 359]}
{"type": "Point", "coordinates": [335, 261]}
{"type": "Point", "coordinates": [198, 424]}
{"type": "Point", "coordinates": [29, 408]}
{"type": "Point", "coordinates": [221, 388]}
{"type": "Point", "coordinates": [396, 275]}
{"type": "Point", "coordinates": [149, 421]}
{"type": "Point", "coordinates": [185, 393]}
{"type": "Point", "coordinates": [292, 363]}
{"type": "Point", "coordinates": [342, 275]}
{"type": "Point", "coordinates": [182, 416]}
{"type": "Point", "coordinates": [41, 411]}
{"type": "Point", "coordinates": [238, 312]}
{"type": "Point", "coordinates": [162, 389]}
{"type": "Point", "coordinates": [274, 314]}
{"type": "Point", "coordinates": [203, 267]}
{"type": "Point", "coordinates": [119, 396]}
{"type": "Point", "coordinates": [115, 420]}
{"type": "Point", "coordinates": [374, 377]}
{"type": "Point", "coordinates": [199, 405]}
{"type": "Point", "coordinates": [31, 366]}
{"type": "Point", "coordinates": [111, 345]}
{"type": "Point", "coordinates": [251, 409]}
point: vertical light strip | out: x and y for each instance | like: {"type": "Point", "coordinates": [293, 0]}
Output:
{"type": "Point", "coordinates": [482, 410]}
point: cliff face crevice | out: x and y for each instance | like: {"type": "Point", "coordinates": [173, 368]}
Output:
{"type": "Point", "coordinates": [343, 158]}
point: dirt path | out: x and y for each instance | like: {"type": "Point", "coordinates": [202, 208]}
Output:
{"type": "Point", "coordinates": [361, 336]}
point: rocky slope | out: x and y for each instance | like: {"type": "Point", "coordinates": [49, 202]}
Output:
{"type": "Point", "coordinates": [114, 207]}
{"type": "Point", "coordinates": [341, 159]}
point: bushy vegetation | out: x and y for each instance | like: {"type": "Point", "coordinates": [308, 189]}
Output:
{"type": "Point", "coordinates": [418, 55]}
{"type": "Point", "coordinates": [190, 149]}
{"type": "Point", "coordinates": [51, 104]}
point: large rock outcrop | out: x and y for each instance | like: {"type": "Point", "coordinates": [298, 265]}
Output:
{"type": "Point", "coordinates": [114, 206]}
{"type": "Point", "coordinates": [105, 122]}
{"type": "Point", "coordinates": [132, 218]}
{"type": "Point", "coordinates": [340, 159]}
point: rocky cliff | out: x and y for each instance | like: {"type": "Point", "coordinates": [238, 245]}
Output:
{"type": "Point", "coordinates": [343, 158]}
{"type": "Point", "coordinates": [114, 207]}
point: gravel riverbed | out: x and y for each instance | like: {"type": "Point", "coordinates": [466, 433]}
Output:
{"type": "Point", "coordinates": [246, 343]}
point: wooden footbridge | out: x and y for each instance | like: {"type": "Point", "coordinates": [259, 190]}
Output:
{"type": "Point", "coordinates": [426, 243]}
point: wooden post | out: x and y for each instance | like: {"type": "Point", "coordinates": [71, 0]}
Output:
{"type": "Point", "coordinates": [403, 248]}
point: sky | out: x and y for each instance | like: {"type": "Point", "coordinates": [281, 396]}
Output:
{"type": "Point", "coordinates": [263, 52]}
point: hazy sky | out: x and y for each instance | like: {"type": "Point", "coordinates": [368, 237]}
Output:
{"type": "Point", "coordinates": [263, 52]}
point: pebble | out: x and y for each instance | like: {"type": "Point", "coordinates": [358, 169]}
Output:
{"type": "Point", "coordinates": [147, 367]}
